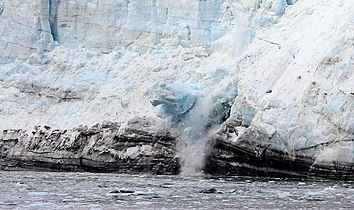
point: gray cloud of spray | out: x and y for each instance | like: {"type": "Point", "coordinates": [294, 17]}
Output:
{"type": "Point", "coordinates": [212, 109]}
{"type": "Point", "coordinates": [203, 120]}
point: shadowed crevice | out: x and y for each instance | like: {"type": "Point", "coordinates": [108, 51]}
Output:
{"type": "Point", "coordinates": [2, 7]}
{"type": "Point", "coordinates": [53, 18]}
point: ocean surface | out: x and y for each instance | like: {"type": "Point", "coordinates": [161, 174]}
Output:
{"type": "Point", "coordinates": [47, 190]}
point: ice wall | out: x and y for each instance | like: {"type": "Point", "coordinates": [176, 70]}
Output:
{"type": "Point", "coordinates": [103, 25]}
{"type": "Point", "coordinates": [76, 83]}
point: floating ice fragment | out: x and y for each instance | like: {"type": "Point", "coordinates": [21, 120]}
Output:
{"type": "Point", "coordinates": [122, 191]}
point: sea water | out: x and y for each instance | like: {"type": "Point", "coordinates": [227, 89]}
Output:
{"type": "Point", "coordinates": [57, 190]}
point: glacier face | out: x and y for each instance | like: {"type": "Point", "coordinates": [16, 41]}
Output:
{"type": "Point", "coordinates": [284, 68]}
{"type": "Point", "coordinates": [135, 24]}
{"type": "Point", "coordinates": [72, 84]}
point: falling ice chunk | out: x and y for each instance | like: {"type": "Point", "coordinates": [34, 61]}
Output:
{"type": "Point", "coordinates": [174, 99]}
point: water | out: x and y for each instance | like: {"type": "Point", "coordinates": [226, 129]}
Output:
{"type": "Point", "coordinates": [44, 190]}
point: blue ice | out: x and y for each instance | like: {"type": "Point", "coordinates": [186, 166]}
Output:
{"type": "Point", "coordinates": [174, 99]}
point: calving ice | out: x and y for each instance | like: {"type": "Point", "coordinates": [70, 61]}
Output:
{"type": "Point", "coordinates": [219, 86]}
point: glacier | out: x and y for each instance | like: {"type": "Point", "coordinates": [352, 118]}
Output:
{"type": "Point", "coordinates": [255, 87]}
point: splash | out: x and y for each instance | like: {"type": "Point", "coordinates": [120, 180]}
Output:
{"type": "Point", "coordinates": [213, 107]}
{"type": "Point", "coordinates": [202, 121]}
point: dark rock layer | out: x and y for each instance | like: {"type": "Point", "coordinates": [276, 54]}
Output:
{"type": "Point", "coordinates": [104, 147]}
{"type": "Point", "coordinates": [138, 148]}
{"type": "Point", "coordinates": [257, 154]}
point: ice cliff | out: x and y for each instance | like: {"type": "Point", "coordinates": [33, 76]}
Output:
{"type": "Point", "coordinates": [268, 84]}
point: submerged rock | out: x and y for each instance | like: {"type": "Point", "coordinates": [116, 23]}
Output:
{"type": "Point", "coordinates": [107, 147]}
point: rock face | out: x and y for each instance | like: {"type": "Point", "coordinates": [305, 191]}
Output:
{"type": "Point", "coordinates": [106, 147]}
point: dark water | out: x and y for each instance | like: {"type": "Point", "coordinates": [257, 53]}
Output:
{"type": "Point", "coordinates": [42, 190]}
